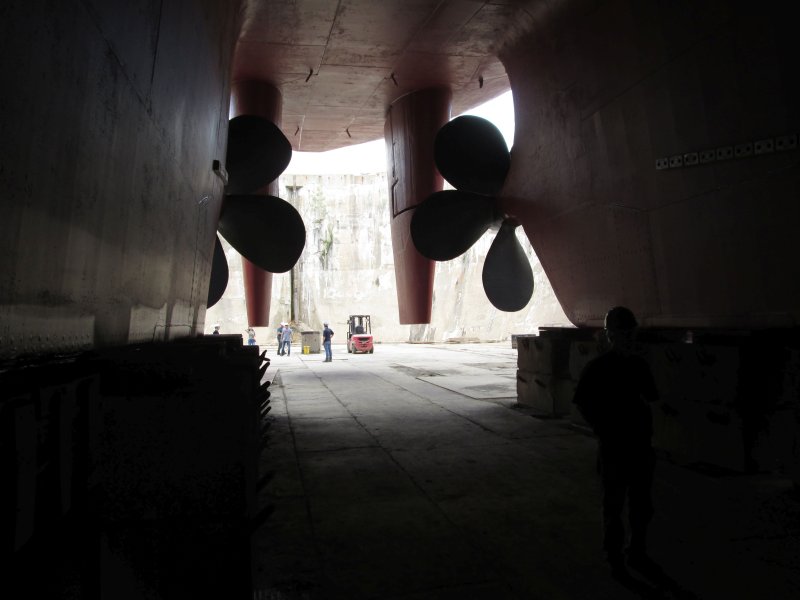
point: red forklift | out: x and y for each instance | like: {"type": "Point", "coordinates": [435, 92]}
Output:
{"type": "Point", "coordinates": [359, 334]}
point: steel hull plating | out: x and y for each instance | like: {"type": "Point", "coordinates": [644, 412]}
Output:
{"type": "Point", "coordinates": [698, 244]}
{"type": "Point", "coordinates": [110, 204]}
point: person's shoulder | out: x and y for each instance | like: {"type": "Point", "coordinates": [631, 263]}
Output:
{"type": "Point", "coordinates": [601, 364]}
{"type": "Point", "coordinates": [643, 365]}
{"type": "Point", "coordinates": [599, 361]}
{"type": "Point", "coordinates": [593, 367]}
{"type": "Point", "coordinates": [639, 361]}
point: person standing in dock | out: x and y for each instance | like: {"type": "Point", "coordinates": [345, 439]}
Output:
{"type": "Point", "coordinates": [280, 339]}
{"type": "Point", "coordinates": [327, 334]}
{"type": "Point", "coordinates": [286, 339]}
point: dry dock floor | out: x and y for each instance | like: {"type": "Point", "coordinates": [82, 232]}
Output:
{"type": "Point", "coordinates": [411, 473]}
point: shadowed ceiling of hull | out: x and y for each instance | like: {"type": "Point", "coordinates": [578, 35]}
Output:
{"type": "Point", "coordinates": [339, 64]}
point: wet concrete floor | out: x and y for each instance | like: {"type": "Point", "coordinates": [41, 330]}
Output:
{"type": "Point", "coordinates": [411, 473]}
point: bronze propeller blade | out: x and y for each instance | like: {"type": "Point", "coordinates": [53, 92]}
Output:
{"type": "Point", "coordinates": [447, 223]}
{"type": "Point", "coordinates": [257, 153]}
{"type": "Point", "coordinates": [471, 153]}
{"type": "Point", "coordinates": [219, 274]}
{"type": "Point", "coordinates": [266, 230]}
{"type": "Point", "coordinates": [507, 275]}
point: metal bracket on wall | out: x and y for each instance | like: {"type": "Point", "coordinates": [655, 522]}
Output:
{"type": "Point", "coordinates": [220, 171]}
{"type": "Point", "coordinates": [781, 143]}
{"type": "Point", "coordinates": [764, 146]}
{"type": "Point", "coordinates": [786, 142]}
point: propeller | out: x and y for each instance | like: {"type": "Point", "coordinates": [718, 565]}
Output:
{"type": "Point", "coordinates": [248, 222]}
{"type": "Point", "coordinates": [447, 223]}
{"type": "Point", "coordinates": [507, 275]}
{"type": "Point", "coordinates": [471, 154]}
{"type": "Point", "coordinates": [219, 274]}
{"type": "Point", "coordinates": [258, 153]}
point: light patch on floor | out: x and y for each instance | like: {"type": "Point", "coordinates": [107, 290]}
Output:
{"type": "Point", "coordinates": [479, 387]}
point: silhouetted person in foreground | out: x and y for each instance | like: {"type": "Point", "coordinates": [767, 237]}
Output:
{"type": "Point", "coordinates": [613, 395]}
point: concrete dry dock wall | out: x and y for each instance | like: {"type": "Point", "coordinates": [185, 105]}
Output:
{"type": "Point", "coordinates": [133, 471]}
{"type": "Point", "coordinates": [727, 399]}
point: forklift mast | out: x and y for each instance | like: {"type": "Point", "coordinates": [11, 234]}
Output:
{"type": "Point", "coordinates": [358, 324]}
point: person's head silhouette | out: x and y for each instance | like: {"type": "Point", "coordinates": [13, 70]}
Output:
{"type": "Point", "coordinates": [620, 326]}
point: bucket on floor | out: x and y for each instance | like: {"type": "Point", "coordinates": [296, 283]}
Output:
{"type": "Point", "coordinates": [306, 349]}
